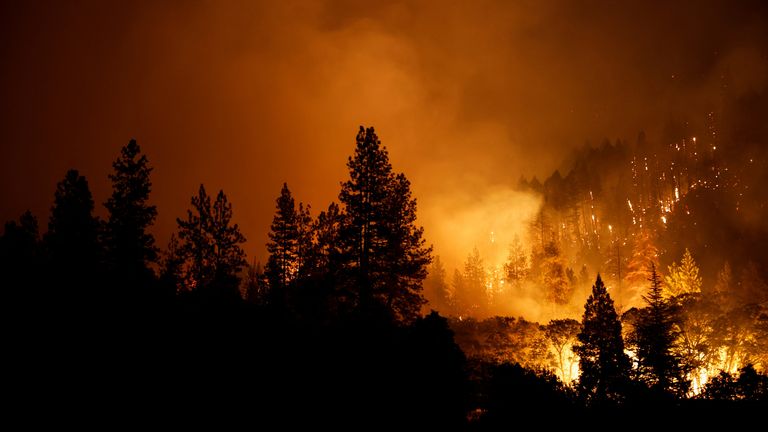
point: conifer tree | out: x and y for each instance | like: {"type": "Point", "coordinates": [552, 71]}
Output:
{"type": "Point", "coordinates": [283, 263]}
{"type": "Point", "coordinates": [130, 248]}
{"type": "Point", "coordinates": [72, 245]}
{"type": "Point", "coordinates": [210, 244]}
{"type": "Point", "coordinates": [603, 364]}
{"type": "Point", "coordinates": [644, 251]}
{"type": "Point", "coordinates": [436, 289]}
{"type": "Point", "coordinates": [384, 252]}
{"type": "Point", "coordinates": [656, 335]}
{"type": "Point", "coordinates": [683, 278]}
{"type": "Point", "coordinates": [326, 248]}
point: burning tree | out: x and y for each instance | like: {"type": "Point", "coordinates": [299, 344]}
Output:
{"type": "Point", "coordinates": [644, 253]}
{"type": "Point", "coordinates": [683, 278]}
{"type": "Point", "coordinates": [516, 268]}
{"type": "Point", "coordinates": [474, 281]}
{"type": "Point", "coordinates": [554, 277]}
{"type": "Point", "coordinates": [562, 334]}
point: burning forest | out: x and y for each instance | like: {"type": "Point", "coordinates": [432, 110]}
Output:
{"type": "Point", "coordinates": [202, 220]}
{"type": "Point", "coordinates": [624, 211]}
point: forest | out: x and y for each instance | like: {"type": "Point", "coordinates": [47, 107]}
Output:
{"type": "Point", "coordinates": [351, 321]}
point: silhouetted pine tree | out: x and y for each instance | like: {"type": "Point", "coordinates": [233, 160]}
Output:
{"type": "Point", "coordinates": [385, 254]}
{"type": "Point", "coordinates": [659, 366]}
{"type": "Point", "coordinates": [436, 289]}
{"type": "Point", "coordinates": [130, 249]}
{"type": "Point", "coordinates": [326, 249]}
{"type": "Point", "coordinates": [283, 262]}
{"type": "Point", "coordinates": [72, 245]}
{"type": "Point", "coordinates": [305, 241]}
{"type": "Point", "coordinates": [603, 364]}
{"type": "Point", "coordinates": [210, 242]}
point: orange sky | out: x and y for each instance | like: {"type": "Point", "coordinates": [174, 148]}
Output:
{"type": "Point", "coordinates": [243, 95]}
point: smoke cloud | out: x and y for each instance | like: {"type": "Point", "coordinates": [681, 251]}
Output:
{"type": "Point", "coordinates": [245, 95]}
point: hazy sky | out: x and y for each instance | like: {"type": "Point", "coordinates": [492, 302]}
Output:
{"type": "Point", "coordinates": [243, 95]}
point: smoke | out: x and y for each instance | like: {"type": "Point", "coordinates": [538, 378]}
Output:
{"type": "Point", "coordinates": [487, 218]}
{"type": "Point", "coordinates": [246, 95]}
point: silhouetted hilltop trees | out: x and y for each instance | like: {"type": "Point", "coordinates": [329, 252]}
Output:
{"type": "Point", "coordinates": [334, 330]}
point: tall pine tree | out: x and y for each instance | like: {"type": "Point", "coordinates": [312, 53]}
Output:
{"type": "Point", "coordinates": [384, 252]}
{"type": "Point", "coordinates": [130, 249]}
{"type": "Point", "coordinates": [72, 244]}
{"type": "Point", "coordinates": [656, 333]}
{"type": "Point", "coordinates": [326, 250]}
{"type": "Point", "coordinates": [210, 243]}
{"type": "Point", "coordinates": [283, 263]}
{"type": "Point", "coordinates": [603, 364]}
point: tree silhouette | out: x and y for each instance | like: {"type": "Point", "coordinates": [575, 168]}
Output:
{"type": "Point", "coordinates": [255, 285]}
{"type": "Point", "coordinates": [326, 249]}
{"type": "Point", "coordinates": [436, 289]}
{"type": "Point", "coordinates": [210, 244]}
{"type": "Point", "coordinates": [748, 385]}
{"type": "Point", "coordinates": [283, 263]}
{"type": "Point", "coordinates": [72, 244]}
{"type": "Point", "coordinates": [130, 248]}
{"type": "Point", "coordinates": [384, 251]}
{"type": "Point", "coordinates": [656, 333]}
{"type": "Point", "coordinates": [562, 334]}
{"type": "Point", "coordinates": [603, 364]}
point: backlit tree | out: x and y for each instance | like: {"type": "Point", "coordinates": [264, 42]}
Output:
{"type": "Point", "coordinates": [603, 364]}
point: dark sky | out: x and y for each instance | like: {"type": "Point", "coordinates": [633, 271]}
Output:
{"type": "Point", "coordinates": [243, 95]}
